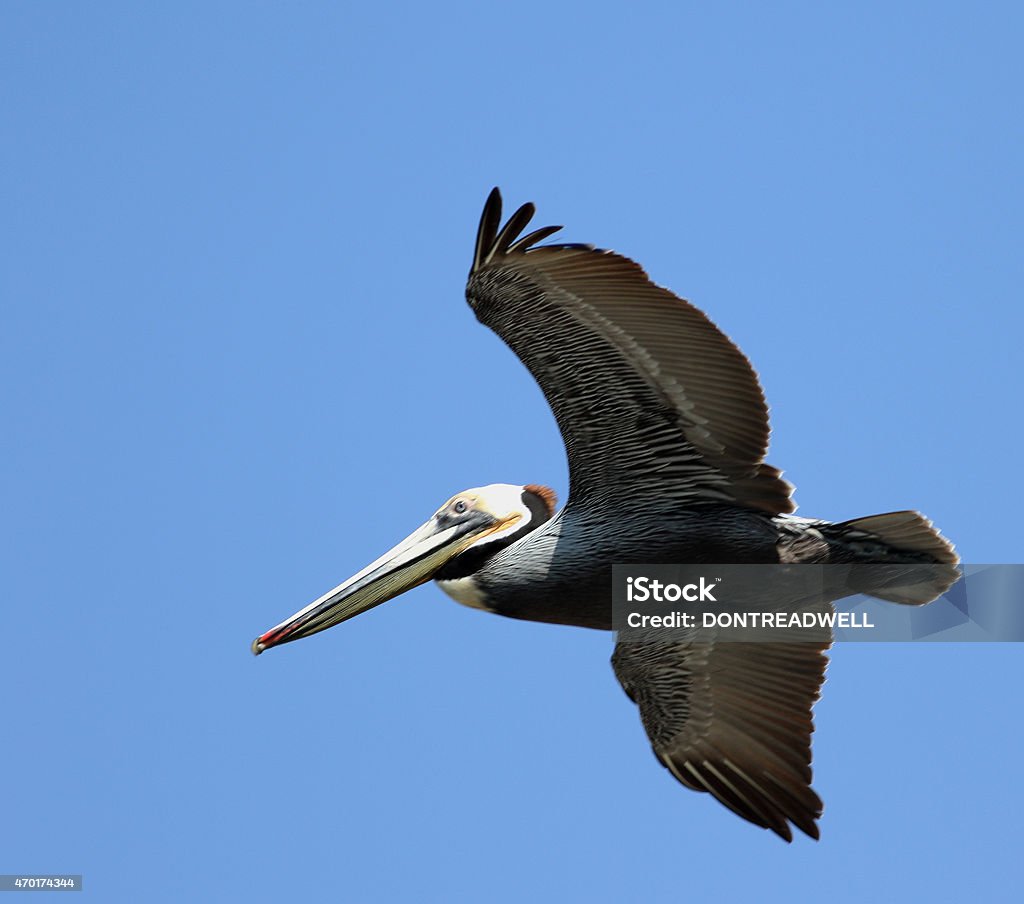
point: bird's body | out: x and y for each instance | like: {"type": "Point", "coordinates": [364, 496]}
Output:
{"type": "Point", "coordinates": [561, 572]}
{"type": "Point", "coordinates": [666, 429]}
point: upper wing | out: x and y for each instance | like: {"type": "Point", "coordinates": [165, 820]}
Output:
{"type": "Point", "coordinates": [649, 394]}
{"type": "Point", "coordinates": [733, 719]}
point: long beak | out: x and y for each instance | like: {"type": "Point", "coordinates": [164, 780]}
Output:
{"type": "Point", "coordinates": [412, 562]}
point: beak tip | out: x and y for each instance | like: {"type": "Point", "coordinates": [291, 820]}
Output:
{"type": "Point", "coordinates": [257, 646]}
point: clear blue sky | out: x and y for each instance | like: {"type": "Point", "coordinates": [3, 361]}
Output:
{"type": "Point", "coordinates": [237, 365]}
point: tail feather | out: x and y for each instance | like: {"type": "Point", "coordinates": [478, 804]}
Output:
{"type": "Point", "coordinates": [907, 532]}
{"type": "Point", "coordinates": [901, 538]}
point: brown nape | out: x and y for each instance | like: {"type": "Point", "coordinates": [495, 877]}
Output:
{"type": "Point", "coordinates": [546, 495]}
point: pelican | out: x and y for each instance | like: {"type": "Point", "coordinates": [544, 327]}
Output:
{"type": "Point", "coordinates": [666, 429]}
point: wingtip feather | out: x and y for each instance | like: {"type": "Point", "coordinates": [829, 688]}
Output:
{"type": "Point", "coordinates": [494, 240]}
{"type": "Point", "coordinates": [487, 232]}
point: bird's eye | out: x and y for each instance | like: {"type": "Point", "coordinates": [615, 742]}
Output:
{"type": "Point", "coordinates": [460, 506]}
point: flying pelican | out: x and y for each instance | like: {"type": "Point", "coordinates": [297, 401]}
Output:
{"type": "Point", "coordinates": [666, 428]}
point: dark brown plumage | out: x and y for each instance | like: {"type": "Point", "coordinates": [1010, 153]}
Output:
{"type": "Point", "coordinates": [640, 381]}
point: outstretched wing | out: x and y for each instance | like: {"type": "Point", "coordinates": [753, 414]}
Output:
{"type": "Point", "coordinates": [733, 719]}
{"type": "Point", "coordinates": [649, 395]}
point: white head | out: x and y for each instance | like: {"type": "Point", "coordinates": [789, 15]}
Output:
{"type": "Point", "coordinates": [467, 529]}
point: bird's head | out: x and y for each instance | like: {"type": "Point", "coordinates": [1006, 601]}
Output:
{"type": "Point", "coordinates": [468, 528]}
